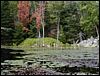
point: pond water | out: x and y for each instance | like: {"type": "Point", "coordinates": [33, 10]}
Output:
{"type": "Point", "coordinates": [69, 61]}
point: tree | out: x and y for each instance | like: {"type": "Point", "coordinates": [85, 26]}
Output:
{"type": "Point", "coordinates": [64, 20]}
{"type": "Point", "coordinates": [23, 13]}
{"type": "Point", "coordinates": [52, 9]}
{"type": "Point", "coordinates": [89, 17]}
{"type": "Point", "coordinates": [70, 18]}
{"type": "Point", "coordinates": [6, 22]}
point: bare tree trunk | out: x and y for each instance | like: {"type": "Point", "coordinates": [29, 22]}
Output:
{"type": "Point", "coordinates": [80, 36]}
{"type": "Point", "coordinates": [58, 28]}
{"type": "Point", "coordinates": [42, 20]}
{"type": "Point", "coordinates": [43, 28]}
{"type": "Point", "coordinates": [97, 31]}
{"type": "Point", "coordinates": [43, 32]}
{"type": "Point", "coordinates": [39, 38]}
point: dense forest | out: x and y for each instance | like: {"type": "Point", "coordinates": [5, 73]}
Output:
{"type": "Point", "coordinates": [69, 17]}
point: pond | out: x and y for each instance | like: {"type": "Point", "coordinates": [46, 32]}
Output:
{"type": "Point", "coordinates": [25, 61]}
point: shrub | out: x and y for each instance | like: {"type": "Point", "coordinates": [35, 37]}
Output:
{"type": "Point", "coordinates": [33, 41]}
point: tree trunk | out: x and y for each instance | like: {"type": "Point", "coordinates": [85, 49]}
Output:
{"type": "Point", "coordinates": [80, 36]}
{"type": "Point", "coordinates": [43, 33]}
{"type": "Point", "coordinates": [39, 38]}
{"type": "Point", "coordinates": [97, 31]}
{"type": "Point", "coordinates": [42, 20]}
{"type": "Point", "coordinates": [58, 28]}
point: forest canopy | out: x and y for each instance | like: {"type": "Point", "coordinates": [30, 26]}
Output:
{"type": "Point", "coordinates": [72, 17]}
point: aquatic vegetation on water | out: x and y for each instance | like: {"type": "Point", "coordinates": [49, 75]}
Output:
{"type": "Point", "coordinates": [62, 61]}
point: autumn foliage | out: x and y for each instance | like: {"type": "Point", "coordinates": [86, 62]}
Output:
{"type": "Point", "coordinates": [24, 14]}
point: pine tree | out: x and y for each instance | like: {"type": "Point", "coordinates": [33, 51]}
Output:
{"type": "Point", "coordinates": [6, 23]}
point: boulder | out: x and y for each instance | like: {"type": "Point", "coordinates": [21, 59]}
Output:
{"type": "Point", "coordinates": [90, 42]}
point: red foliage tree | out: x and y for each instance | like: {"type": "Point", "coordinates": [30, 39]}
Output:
{"type": "Point", "coordinates": [24, 14]}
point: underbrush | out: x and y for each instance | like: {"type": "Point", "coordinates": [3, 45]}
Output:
{"type": "Point", "coordinates": [48, 42]}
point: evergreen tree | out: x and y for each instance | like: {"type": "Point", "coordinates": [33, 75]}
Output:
{"type": "Point", "coordinates": [6, 23]}
{"type": "Point", "coordinates": [70, 17]}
